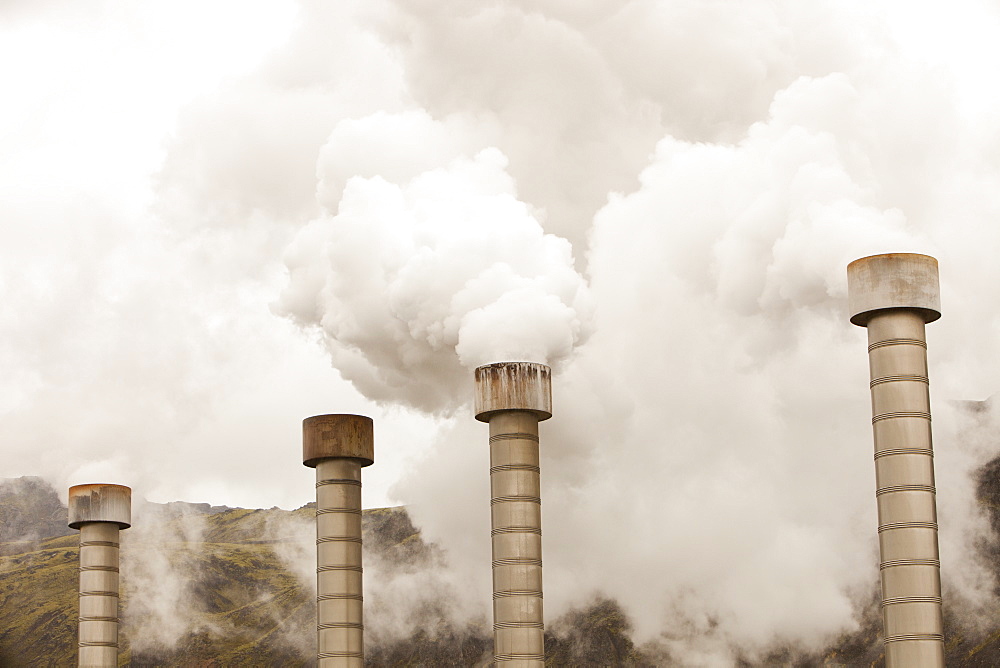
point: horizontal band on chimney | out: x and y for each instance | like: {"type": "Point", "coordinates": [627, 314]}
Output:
{"type": "Point", "coordinates": [901, 414]}
{"type": "Point", "coordinates": [892, 379]}
{"type": "Point", "coordinates": [99, 593]}
{"type": "Point", "coordinates": [98, 643]}
{"type": "Point", "coordinates": [107, 569]}
{"type": "Point", "coordinates": [340, 625]}
{"type": "Point", "coordinates": [905, 488]}
{"type": "Point", "coordinates": [98, 543]}
{"type": "Point", "coordinates": [349, 511]}
{"type": "Point", "coordinates": [504, 530]}
{"type": "Point", "coordinates": [517, 561]}
{"type": "Point", "coordinates": [514, 436]}
{"type": "Point", "coordinates": [892, 526]}
{"type": "Point", "coordinates": [897, 342]}
{"type": "Point", "coordinates": [99, 619]}
{"type": "Point", "coordinates": [516, 498]}
{"type": "Point", "coordinates": [338, 567]}
{"type": "Point", "coordinates": [518, 625]}
{"type": "Point", "coordinates": [936, 637]}
{"type": "Point", "coordinates": [515, 467]}
{"type": "Point", "coordinates": [339, 597]}
{"type": "Point", "coordinates": [340, 655]}
{"type": "Point", "coordinates": [338, 539]}
{"type": "Point", "coordinates": [519, 657]}
{"type": "Point", "coordinates": [909, 562]}
{"type": "Point", "coordinates": [339, 481]}
{"type": "Point", "coordinates": [904, 451]}
{"type": "Point", "coordinates": [911, 599]}
{"type": "Point", "coordinates": [507, 593]}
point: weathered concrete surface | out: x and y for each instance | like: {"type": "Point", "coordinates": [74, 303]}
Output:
{"type": "Point", "coordinates": [100, 512]}
{"type": "Point", "coordinates": [513, 397]}
{"type": "Point", "coordinates": [338, 446]}
{"type": "Point", "coordinates": [893, 280]}
{"type": "Point", "coordinates": [325, 436]}
{"type": "Point", "coordinates": [100, 503]}
{"type": "Point", "coordinates": [894, 296]}
{"type": "Point", "coordinates": [506, 386]}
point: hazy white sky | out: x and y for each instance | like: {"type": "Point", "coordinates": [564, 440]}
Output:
{"type": "Point", "coordinates": [217, 219]}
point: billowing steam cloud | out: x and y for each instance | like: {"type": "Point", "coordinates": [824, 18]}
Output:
{"type": "Point", "coordinates": [416, 282]}
{"type": "Point", "coordinates": [658, 198]}
{"type": "Point", "coordinates": [706, 465]}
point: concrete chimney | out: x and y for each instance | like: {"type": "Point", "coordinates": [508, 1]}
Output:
{"type": "Point", "coordinates": [337, 446]}
{"type": "Point", "coordinates": [100, 512]}
{"type": "Point", "coordinates": [894, 295]}
{"type": "Point", "coordinates": [513, 397]}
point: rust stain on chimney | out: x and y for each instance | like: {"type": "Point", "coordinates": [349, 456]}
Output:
{"type": "Point", "coordinates": [513, 386]}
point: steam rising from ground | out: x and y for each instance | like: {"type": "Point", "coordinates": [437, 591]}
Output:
{"type": "Point", "coordinates": [161, 606]}
{"type": "Point", "coordinates": [658, 198]}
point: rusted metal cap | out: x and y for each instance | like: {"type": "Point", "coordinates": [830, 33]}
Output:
{"type": "Point", "coordinates": [513, 386]}
{"type": "Point", "coordinates": [100, 503]}
{"type": "Point", "coordinates": [893, 280]}
{"type": "Point", "coordinates": [328, 436]}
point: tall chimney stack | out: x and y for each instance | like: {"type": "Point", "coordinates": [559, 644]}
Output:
{"type": "Point", "coordinates": [100, 512]}
{"type": "Point", "coordinates": [513, 397]}
{"type": "Point", "coordinates": [894, 295]}
{"type": "Point", "coordinates": [338, 446]}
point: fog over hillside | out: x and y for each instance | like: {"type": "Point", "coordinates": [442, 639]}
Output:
{"type": "Point", "coordinates": [204, 585]}
{"type": "Point", "coordinates": [219, 221]}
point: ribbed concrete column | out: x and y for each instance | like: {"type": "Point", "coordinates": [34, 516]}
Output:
{"type": "Point", "coordinates": [893, 296]}
{"type": "Point", "coordinates": [513, 397]}
{"type": "Point", "coordinates": [337, 446]}
{"type": "Point", "coordinates": [99, 512]}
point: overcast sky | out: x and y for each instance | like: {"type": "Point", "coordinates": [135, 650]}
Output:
{"type": "Point", "coordinates": [219, 218]}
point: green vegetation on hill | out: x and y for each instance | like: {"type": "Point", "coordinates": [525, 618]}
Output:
{"type": "Point", "coordinates": [211, 586]}
{"type": "Point", "coordinates": [30, 510]}
{"type": "Point", "coordinates": [38, 599]}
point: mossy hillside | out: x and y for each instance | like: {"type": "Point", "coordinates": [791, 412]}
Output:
{"type": "Point", "coordinates": [599, 631]}
{"type": "Point", "coordinates": [246, 607]}
{"type": "Point", "coordinates": [29, 510]}
{"type": "Point", "coordinates": [243, 603]}
{"type": "Point", "coordinates": [38, 607]}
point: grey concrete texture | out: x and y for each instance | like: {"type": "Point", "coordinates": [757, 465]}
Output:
{"type": "Point", "coordinates": [893, 280]}
{"type": "Point", "coordinates": [894, 296]}
{"type": "Point", "coordinates": [518, 619]}
{"type": "Point", "coordinates": [99, 592]}
{"type": "Point", "coordinates": [339, 577]}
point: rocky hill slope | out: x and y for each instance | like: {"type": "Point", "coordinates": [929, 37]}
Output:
{"type": "Point", "coordinates": [215, 586]}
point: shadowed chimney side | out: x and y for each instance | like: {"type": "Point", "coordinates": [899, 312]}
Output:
{"type": "Point", "coordinates": [338, 446]}
{"type": "Point", "coordinates": [100, 512]}
{"type": "Point", "coordinates": [894, 295]}
{"type": "Point", "coordinates": [513, 397]}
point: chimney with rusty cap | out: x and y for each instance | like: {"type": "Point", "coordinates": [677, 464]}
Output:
{"type": "Point", "coordinates": [100, 512]}
{"type": "Point", "coordinates": [894, 296]}
{"type": "Point", "coordinates": [513, 397]}
{"type": "Point", "coordinates": [338, 446]}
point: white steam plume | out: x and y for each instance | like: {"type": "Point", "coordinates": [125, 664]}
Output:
{"type": "Point", "coordinates": [159, 560]}
{"type": "Point", "coordinates": [709, 461]}
{"type": "Point", "coordinates": [414, 283]}
{"type": "Point", "coordinates": [709, 169]}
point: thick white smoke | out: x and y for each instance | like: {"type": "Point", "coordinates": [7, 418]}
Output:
{"type": "Point", "coordinates": [709, 461]}
{"type": "Point", "coordinates": [658, 198]}
{"type": "Point", "coordinates": [415, 283]}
